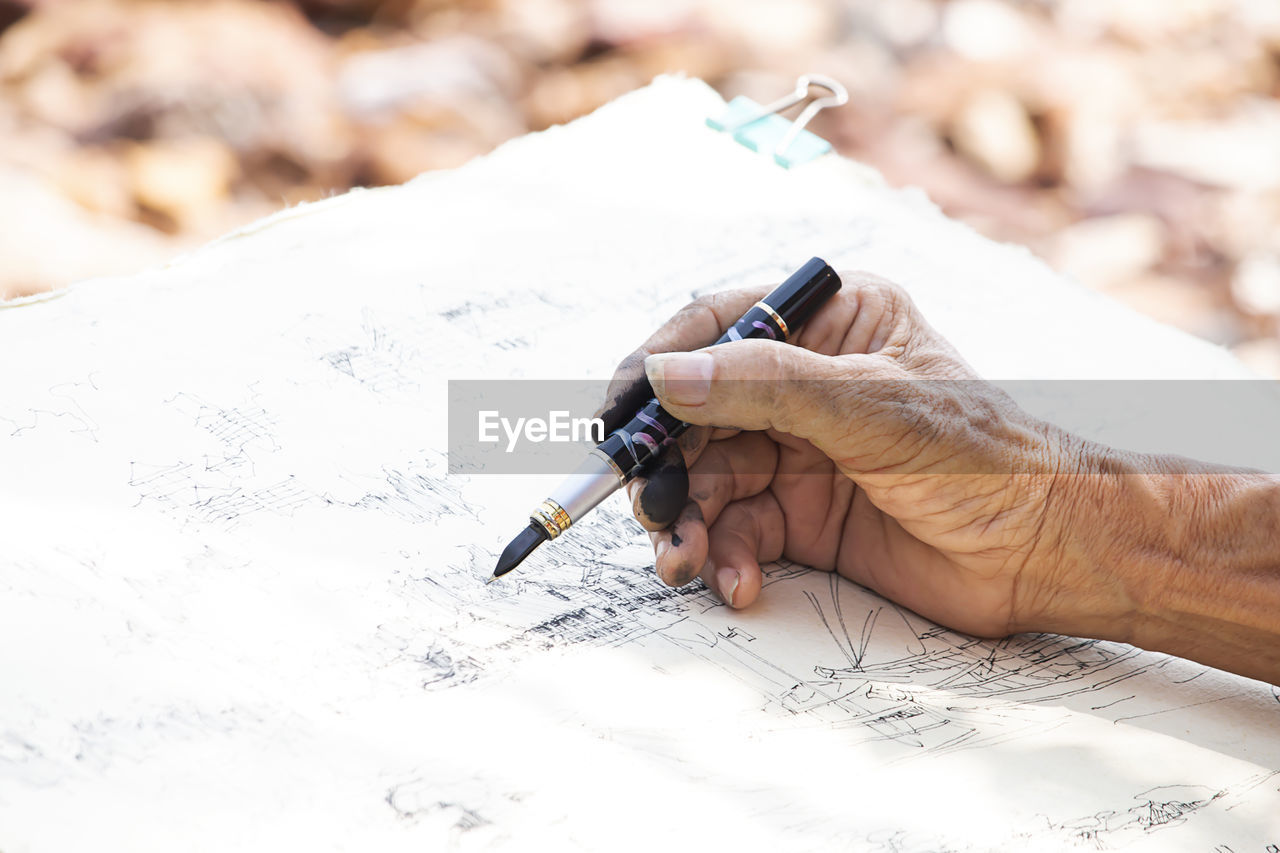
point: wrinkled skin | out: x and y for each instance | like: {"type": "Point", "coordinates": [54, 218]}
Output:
{"type": "Point", "coordinates": [868, 447]}
{"type": "Point", "coordinates": [940, 495]}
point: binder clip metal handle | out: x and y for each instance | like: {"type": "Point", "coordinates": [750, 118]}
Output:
{"type": "Point", "coordinates": [760, 128]}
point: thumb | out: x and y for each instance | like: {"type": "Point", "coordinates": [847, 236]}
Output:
{"type": "Point", "coordinates": [757, 385]}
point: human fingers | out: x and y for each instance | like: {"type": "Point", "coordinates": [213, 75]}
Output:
{"type": "Point", "coordinates": [662, 491]}
{"type": "Point", "coordinates": [749, 532]}
{"type": "Point", "coordinates": [697, 324]}
{"type": "Point", "coordinates": [759, 385]}
{"type": "Point", "coordinates": [876, 419]}
{"type": "Point", "coordinates": [732, 470]}
{"type": "Point", "coordinates": [729, 470]}
{"type": "Point", "coordinates": [871, 314]}
{"type": "Point", "coordinates": [657, 497]}
{"type": "Point", "coordinates": [680, 550]}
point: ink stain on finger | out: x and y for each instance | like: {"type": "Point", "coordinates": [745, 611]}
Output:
{"type": "Point", "coordinates": [682, 574]}
{"type": "Point", "coordinates": [626, 397]}
{"type": "Point", "coordinates": [692, 513]}
{"type": "Point", "coordinates": [659, 503]}
{"type": "Point", "coordinates": [636, 489]}
{"type": "Point", "coordinates": [665, 492]}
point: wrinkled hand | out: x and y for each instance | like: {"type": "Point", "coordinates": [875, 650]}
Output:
{"type": "Point", "coordinates": [868, 448]}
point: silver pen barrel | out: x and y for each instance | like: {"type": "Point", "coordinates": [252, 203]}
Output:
{"type": "Point", "coordinates": [579, 493]}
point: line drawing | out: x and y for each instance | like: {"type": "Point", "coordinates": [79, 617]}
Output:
{"type": "Point", "coordinates": [382, 361]}
{"type": "Point", "coordinates": [65, 409]}
{"type": "Point", "coordinates": [867, 669]}
{"type": "Point", "coordinates": [320, 608]}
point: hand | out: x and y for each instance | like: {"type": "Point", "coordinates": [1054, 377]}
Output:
{"type": "Point", "coordinates": [868, 448]}
{"type": "Point", "coordinates": [871, 449]}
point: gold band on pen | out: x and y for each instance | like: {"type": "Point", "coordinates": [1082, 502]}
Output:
{"type": "Point", "coordinates": [768, 309]}
{"type": "Point", "coordinates": [552, 517]}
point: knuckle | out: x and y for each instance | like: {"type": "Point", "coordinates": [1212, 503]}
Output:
{"type": "Point", "coordinates": [886, 309]}
{"type": "Point", "coordinates": [718, 300]}
{"type": "Point", "coordinates": [701, 309]}
{"type": "Point", "coordinates": [718, 307]}
{"type": "Point", "coordinates": [870, 284]}
{"type": "Point", "coordinates": [797, 384]}
{"type": "Point", "coordinates": [632, 365]}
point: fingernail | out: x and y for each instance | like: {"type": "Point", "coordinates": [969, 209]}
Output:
{"type": "Point", "coordinates": [683, 378]}
{"type": "Point", "coordinates": [727, 580]}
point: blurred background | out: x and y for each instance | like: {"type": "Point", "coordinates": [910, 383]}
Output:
{"type": "Point", "coordinates": [1132, 143]}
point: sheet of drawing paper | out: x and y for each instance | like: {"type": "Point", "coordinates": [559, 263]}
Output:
{"type": "Point", "coordinates": [242, 602]}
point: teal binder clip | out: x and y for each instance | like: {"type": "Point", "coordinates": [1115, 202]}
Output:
{"type": "Point", "coordinates": [762, 129]}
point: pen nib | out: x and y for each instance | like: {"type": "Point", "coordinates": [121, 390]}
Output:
{"type": "Point", "coordinates": [522, 546]}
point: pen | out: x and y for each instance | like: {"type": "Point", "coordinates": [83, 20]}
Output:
{"type": "Point", "coordinates": [626, 451]}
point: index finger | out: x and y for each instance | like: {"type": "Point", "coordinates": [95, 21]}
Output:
{"type": "Point", "coordinates": [699, 323]}
{"type": "Point", "coordinates": [696, 325]}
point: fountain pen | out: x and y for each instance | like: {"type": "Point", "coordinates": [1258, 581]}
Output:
{"type": "Point", "coordinates": [627, 451]}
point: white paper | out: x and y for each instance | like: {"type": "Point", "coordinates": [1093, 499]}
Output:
{"type": "Point", "coordinates": [242, 604]}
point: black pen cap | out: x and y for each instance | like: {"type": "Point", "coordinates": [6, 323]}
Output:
{"type": "Point", "coordinates": [801, 295]}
